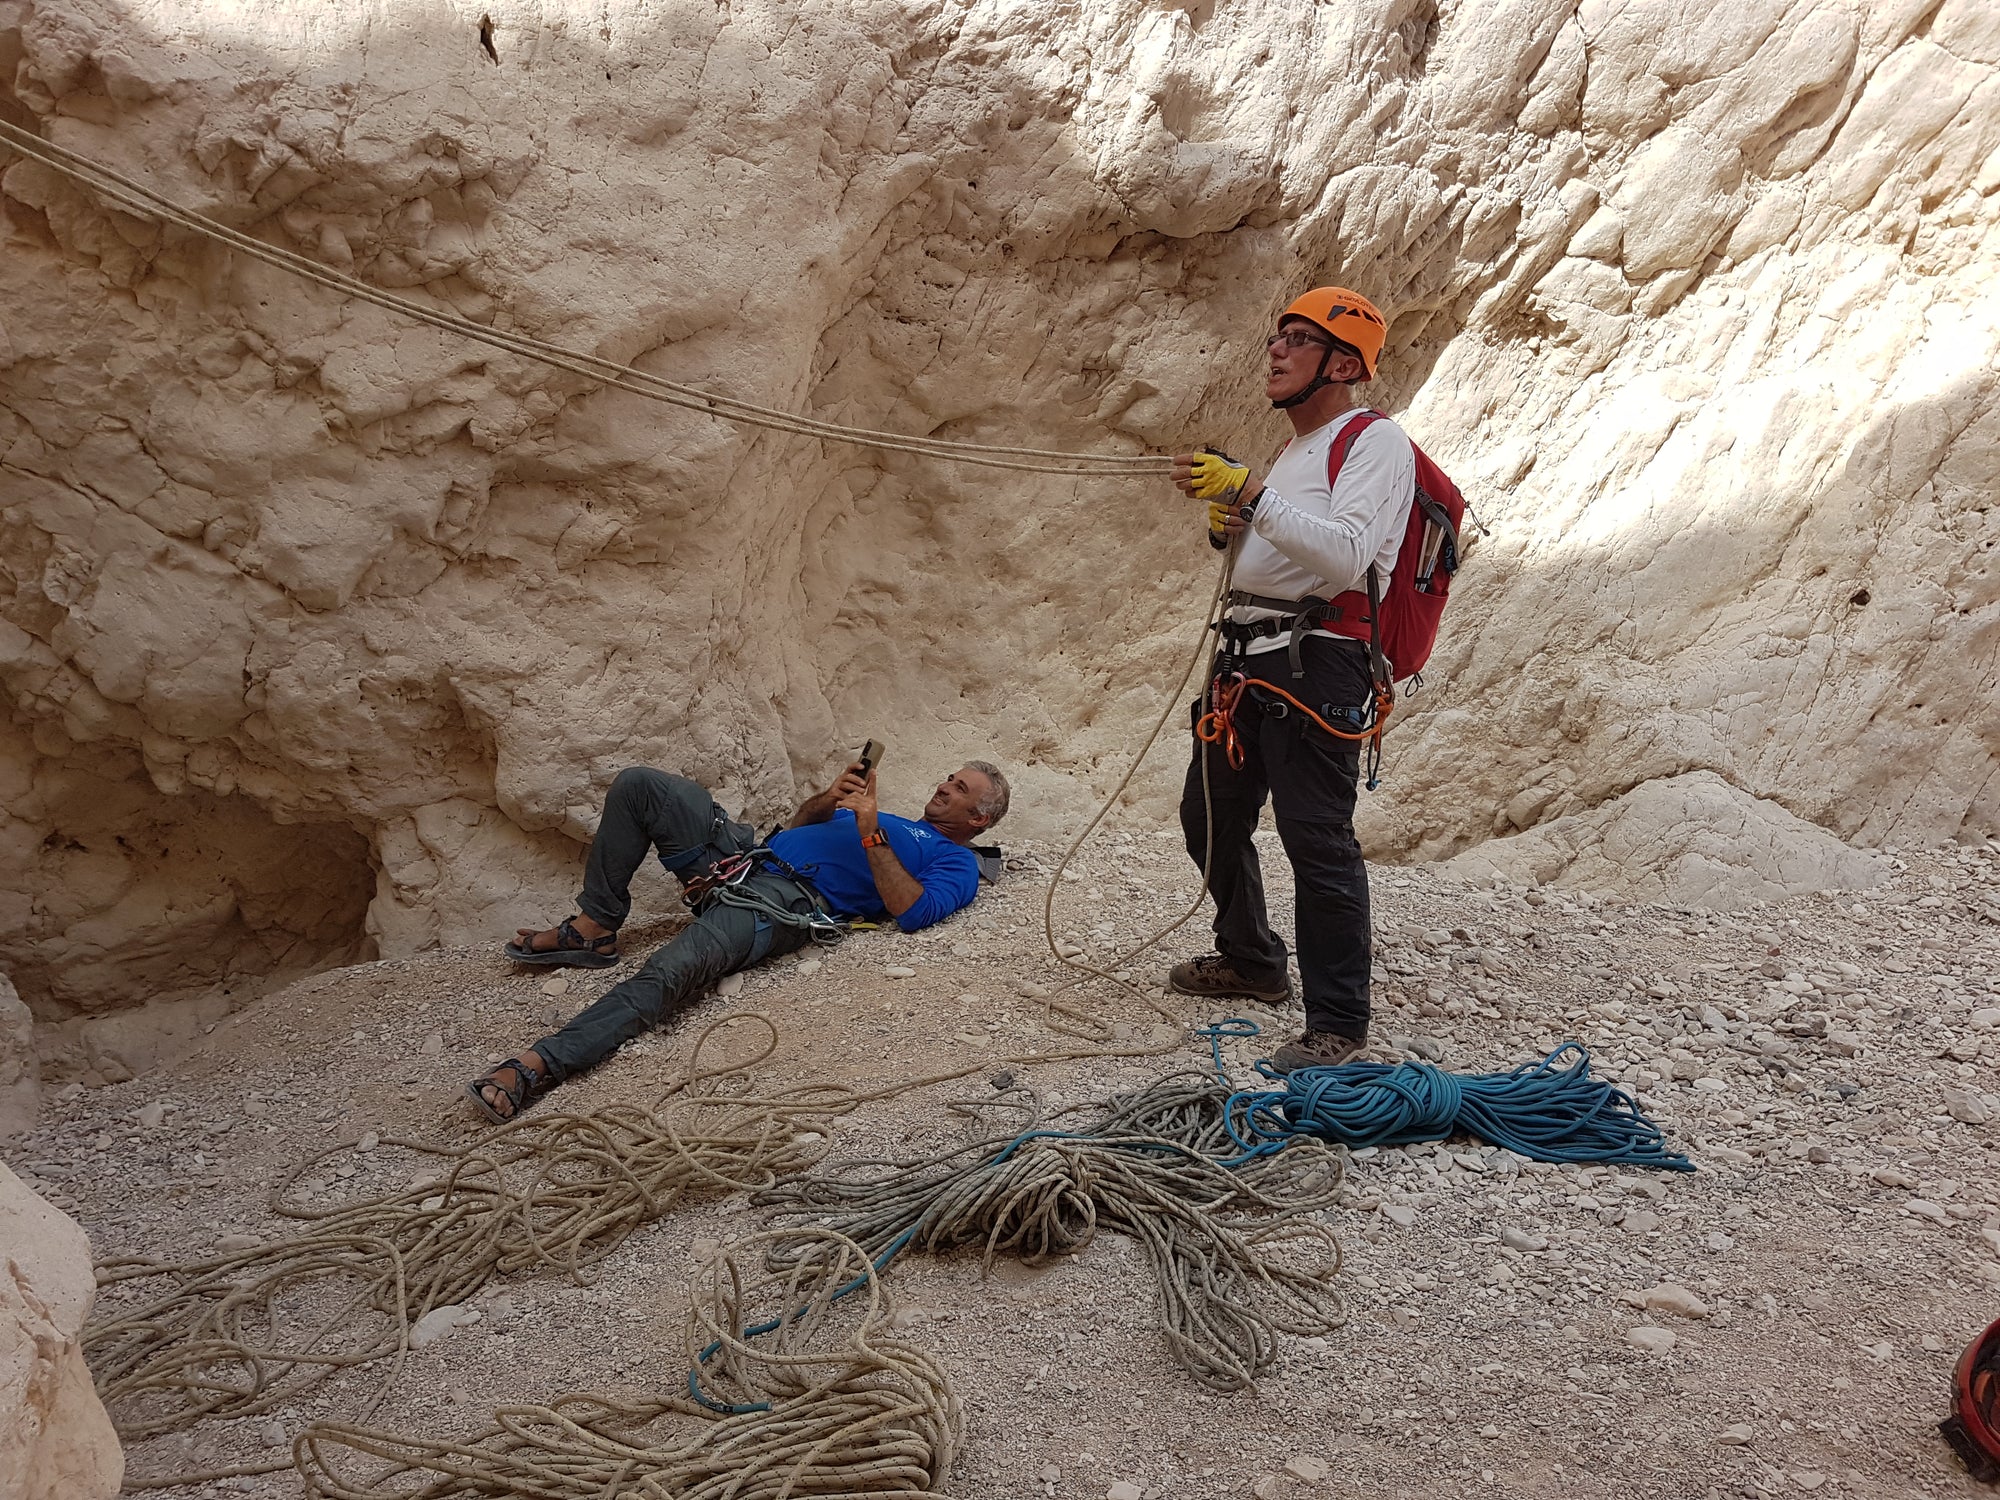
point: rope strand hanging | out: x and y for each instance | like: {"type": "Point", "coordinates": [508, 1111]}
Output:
{"type": "Point", "coordinates": [136, 198]}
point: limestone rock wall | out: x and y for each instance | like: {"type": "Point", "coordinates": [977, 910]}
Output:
{"type": "Point", "coordinates": [1690, 840]}
{"type": "Point", "coordinates": [56, 1441]}
{"type": "Point", "coordinates": [1696, 301]}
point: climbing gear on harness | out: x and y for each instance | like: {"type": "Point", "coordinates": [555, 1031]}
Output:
{"type": "Point", "coordinates": [1316, 1049]}
{"type": "Point", "coordinates": [726, 881]}
{"type": "Point", "coordinates": [1211, 974]}
{"type": "Point", "coordinates": [1541, 1110]}
{"type": "Point", "coordinates": [1357, 329]}
{"type": "Point", "coordinates": [1973, 1428]}
{"type": "Point", "coordinates": [572, 950]}
{"type": "Point", "coordinates": [1225, 698]}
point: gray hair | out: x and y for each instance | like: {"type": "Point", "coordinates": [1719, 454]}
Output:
{"type": "Point", "coordinates": [993, 806]}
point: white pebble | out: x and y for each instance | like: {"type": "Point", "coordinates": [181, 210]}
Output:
{"type": "Point", "coordinates": [899, 971]}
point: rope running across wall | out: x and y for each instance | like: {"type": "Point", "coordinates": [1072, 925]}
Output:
{"type": "Point", "coordinates": [136, 198]}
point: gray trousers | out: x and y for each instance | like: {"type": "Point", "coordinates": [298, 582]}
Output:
{"type": "Point", "coordinates": [647, 811]}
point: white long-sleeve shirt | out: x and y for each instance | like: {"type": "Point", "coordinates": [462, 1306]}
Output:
{"type": "Point", "coordinates": [1308, 539]}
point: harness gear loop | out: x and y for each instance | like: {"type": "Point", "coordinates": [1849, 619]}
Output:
{"type": "Point", "coordinates": [725, 882]}
{"type": "Point", "coordinates": [1225, 697]}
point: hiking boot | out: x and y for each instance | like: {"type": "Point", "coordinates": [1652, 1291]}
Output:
{"type": "Point", "coordinates": [1212, 974]}
{"type": "Point", "coordinates": [1317, 1049]}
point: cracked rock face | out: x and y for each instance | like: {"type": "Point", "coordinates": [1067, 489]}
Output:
{"type": "Point", "coordinates": [56, 1442]}
{"type": "Point", "coordinates": [1697, 307]}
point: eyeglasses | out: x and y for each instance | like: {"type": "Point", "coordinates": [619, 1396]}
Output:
{"type": "Point", "coordinates": [1291, 338]}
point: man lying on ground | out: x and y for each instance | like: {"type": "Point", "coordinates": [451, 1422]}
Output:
{"type": "Point", "coordinates": [839, 858]}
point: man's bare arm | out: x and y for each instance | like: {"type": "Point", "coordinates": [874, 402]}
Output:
{"type": "Point", "coordinates": [821, 805]}
{"type": "Point", "coordinates": [898, 888]}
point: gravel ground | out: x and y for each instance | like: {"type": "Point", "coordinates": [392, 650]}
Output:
{"type": "Point", "coordinates": [1784, 1320]}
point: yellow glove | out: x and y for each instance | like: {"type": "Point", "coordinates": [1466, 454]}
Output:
{"type": "Point", "coordinates": [1220, 511]}
{"type": "Point", "coordinates": [1217, 476]}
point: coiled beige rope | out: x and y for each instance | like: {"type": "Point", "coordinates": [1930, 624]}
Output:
{"type": "Point", "coordinates": [852, 1412]}
{"type": "Point", "coordinates": [136, 198]}
{"type": "Point", "coordinates": [246, 1332]}
{"type": "Point", "coordinates": [1155, 1167]}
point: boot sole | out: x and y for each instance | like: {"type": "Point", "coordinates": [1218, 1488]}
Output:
{"type": "Point", "coordinates": [1268, 997]}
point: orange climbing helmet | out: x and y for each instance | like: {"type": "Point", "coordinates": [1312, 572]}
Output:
{"type": "Point", "coordinates": [1349, 317]}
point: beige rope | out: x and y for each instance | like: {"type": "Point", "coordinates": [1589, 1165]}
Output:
{"type": "Point", "coordinates": [136, 198]}
{"type": "Point", "coordinates": [851, 1413]}
{"type": "Point", "coordinates": [553, 1191]}
{"type": "Point", "coordinates": [1173, 701]}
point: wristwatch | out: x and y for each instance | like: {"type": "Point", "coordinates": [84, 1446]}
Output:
{"type": "Point", "coordinates": [870, 840]}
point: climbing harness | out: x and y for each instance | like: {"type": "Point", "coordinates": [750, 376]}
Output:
{"type": "Point", "coordinates": [1226, 689]}
{"type": "Point", "coordinates": [727, 882]}
{"type": "Point", "coordinates": [1541, 1110]}
{"type": "Point", "coordinates": [1973, 1428]}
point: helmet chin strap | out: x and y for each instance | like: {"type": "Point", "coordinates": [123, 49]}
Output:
{"type": "Point", "coordinates": [1311, 388]}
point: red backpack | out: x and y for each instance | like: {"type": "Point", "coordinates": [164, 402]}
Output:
{"type": "Point", "coordinates": [1400, 622]}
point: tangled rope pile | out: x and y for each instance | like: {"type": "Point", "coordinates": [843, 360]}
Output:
{"type": "Point", "coordinates": [136, 198]}
{"type": "Point", "coordinates": [1149, 1169]}
{"type": "Point", "coordinates": [245, 1332]}
{"type": "Point", "coordinates": [231, 1335]}
{"type": "Point", "coordinates": [1540, 1110]}
{"type": "Point", "coordinates": [821, 1412]}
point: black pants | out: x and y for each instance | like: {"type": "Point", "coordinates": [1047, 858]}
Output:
{"type": "Point", "coordinates": [649, 810]}
{"type": "Point", "coordinates": [1310, 779]}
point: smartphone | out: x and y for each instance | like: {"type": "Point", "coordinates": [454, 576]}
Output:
{"type": "Point", "coordinates": [870, 756]}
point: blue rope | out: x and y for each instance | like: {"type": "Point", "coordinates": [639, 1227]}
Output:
{"type": "Point", "coordinates": [1232, 1028]}
{"type": "Point", "coordinates": [1542, 1110]}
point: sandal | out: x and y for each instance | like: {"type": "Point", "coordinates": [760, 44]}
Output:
{"type": "Point", "coordinates": [530, 1083]}
{"type": "Point", "coordinates": [572, 950]}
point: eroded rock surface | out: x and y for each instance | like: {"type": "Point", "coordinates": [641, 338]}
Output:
{"type": "Point", "coordinates": [20, 1068]}
{"type": "Point", "coordinates": [1697, 305]}
{"type": "Point", "coordinates": [56, 1442]}
{"type": "Point", "coordinates": [1691, 840]}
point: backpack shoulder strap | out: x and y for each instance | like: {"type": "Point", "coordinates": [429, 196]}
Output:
{"type": "Point", "coordinates": [1344, 443]}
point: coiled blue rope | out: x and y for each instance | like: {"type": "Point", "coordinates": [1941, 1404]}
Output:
{"type": "Point", "coordinates": [1546, 1110]}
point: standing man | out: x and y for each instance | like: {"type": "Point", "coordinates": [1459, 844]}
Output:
{"type": "Point", "coordinates": [1302, 541]}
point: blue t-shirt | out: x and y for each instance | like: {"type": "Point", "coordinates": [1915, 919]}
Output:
{"type": "Point", "coordinates": [830, 853]}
